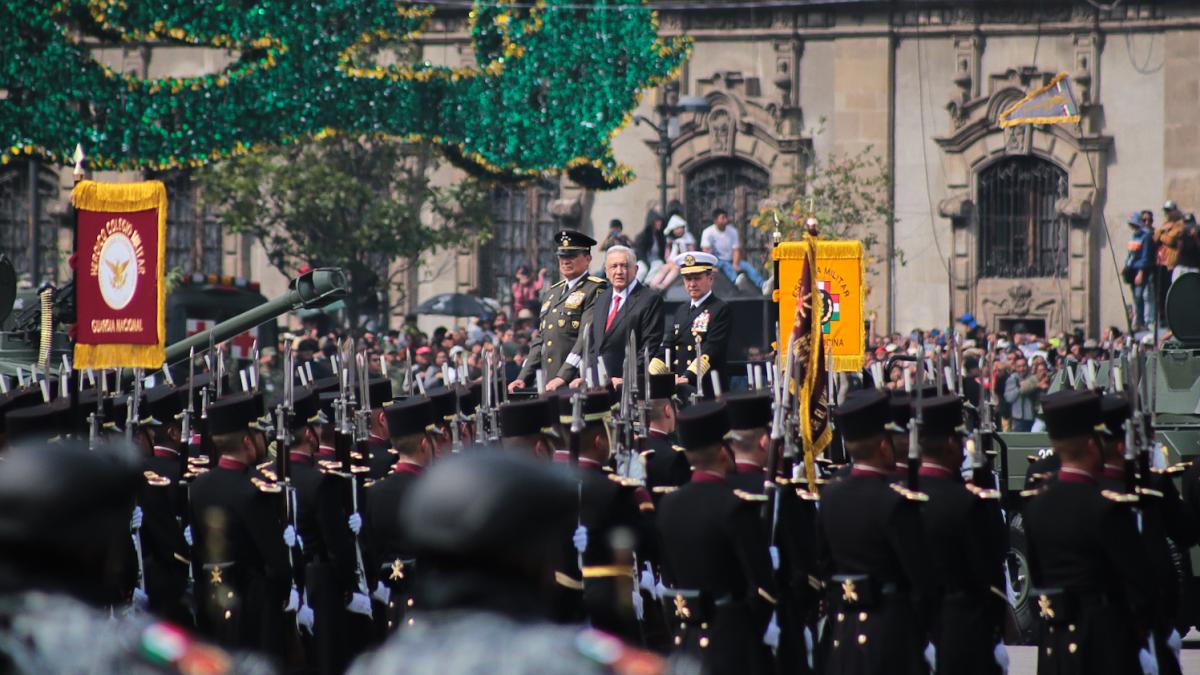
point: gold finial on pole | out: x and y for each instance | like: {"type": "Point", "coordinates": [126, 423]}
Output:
{"type": "Point", "coordinates": [78, 157]}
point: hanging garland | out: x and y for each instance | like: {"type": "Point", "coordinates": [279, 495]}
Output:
{"type": "Point", "coordinates": [554, 82]}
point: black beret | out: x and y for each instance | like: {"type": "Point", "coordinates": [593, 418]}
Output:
{"type": "Point", "coordinates": [525, 417]}
{"type": "Point", "coordinates": [597, 403]}
{"type": "Point", "coordinates": [238, 412]}
{"type": "Point", "coordinates": [940, 415]}
{"type": "Point", "coordinates": [412, 415]}
{"type": "Point", "coordinates": [571, 241]}
{"type": "Point", "coordinates": [1115, 410]}
{"type": "Point", "coordinates": [380, 391]}
{"type": "Point", "coordinates": [444, 401]}
{"type": "Point", "coordinates": [702, 424]}
{"type": "Point", "coordinates": [504, 511]}
{"type": "Point", "coordinates": [1071, 413]}
{"type": "Point", "coordinates": [749, 410]}
{"type": "Point", "coordinates": [863, 414]}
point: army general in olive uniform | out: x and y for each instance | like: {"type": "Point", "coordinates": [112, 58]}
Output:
{"type": "Point", "coordinates": [566, 309]}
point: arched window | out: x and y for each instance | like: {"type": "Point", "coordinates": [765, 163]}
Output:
{"type": "Point", "coordinates": [1021, 233]}
{"type": "Point", "coordinates": [17, 227]}
{"type": "Point", "coordinates": [736, 186]}
{"type": "Point", "coordinates": [523, 234]}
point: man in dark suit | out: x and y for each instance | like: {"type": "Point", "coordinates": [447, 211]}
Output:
{"type": "Point", "coordinates": [699, 338]}
{"type": "Point", "coordinates": [626, 305]}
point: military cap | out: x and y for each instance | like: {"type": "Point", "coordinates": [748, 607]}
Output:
{"type": "Point", "coordinates": [237, 412]}
{"type": "Point", "coordinates": [571, 242]}
{"type": "Point", "coordinates": [900, 405]}
{"type": "Point", "coordinates": [940, 415]}
{"type": "Point", "coordinates": [597, 404]}
{"type": "Point", "coordinates": [1071, 413]}
{"type": "Point", "coordinates": [749, 410]}
{"type": "Point", "coordinates": [380, 391]}
{"type": "Point", "coordinates": [862, 415]}
{"type": "Point", "coordinates": [694, 262]}
{"type": "Point", "coordinates": [325, 401]}
{"type": "Point", "coordinates": [412, 415]}
{"type": "Point", "coordinates": [38, 422]}
{"type": "Point", "coordinates": [324, 385]}
{"type": "Point", "coordinates": [1115, 411]}
{"type": "Point", "coordinates": [662, 386]}
{"type": "Point", "coordinates": [468, 397]}
{"type": "Point", "coordinates": [15, 400]}
{"type": "Point", "coordinates": [525, 417]}
{"type": "Point", "coordinates": [165, 402]}
{"type": "Point", "coordinates": [702, 424]}
{"type": "Point", "coordinates": [504, 511]}
{"type": "Point", "coordinates": [202, 380]}
{"type": "Point", "coordinates": [306, 408]}
{"type": "Point", "coordinates": [444, 400]}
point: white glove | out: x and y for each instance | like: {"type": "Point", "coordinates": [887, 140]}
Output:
{"type": "Point", "coordinates": [931, 656]}
{"type": "Point", "coordinates": [355, 522]}
{"type": "Point", "coordinates": [382, 593]}
{"type": "Point", "coordinates": [300, 542]}
{"type": "Point", "coordinates": [774, 557]}
{"type": "Point", "coordinates": [1000, 653]}
{"type": "Point", "coordinates": [359, 604]}
{"type": "Point", "coordinates": [1149, 665]}
{"type": "Point", "coordinates": [808, 646]}
{"type": "Point", "coordinates": [638, 608]}
{"type": "Point", "coordinates": [646, 580]}
{"type": "Point", "coordinates": [1175, 642]}
{"type": "Point", "coordinates": [289, 536]}
{"type": "Point", "coordinates": [771, 636]}
{"type": "Point", "coordinates": [187, 535]}
{"type": "Point", "coordinates": [135, 521]}
{"type": "Point", "coordinates": [580, 539]}
{"type": "Point", "coordinates": [304, 619]}
{"type": "Point", "coordinates": [140, 599]}
{"type": "Point", "coordinates": [293, 600]}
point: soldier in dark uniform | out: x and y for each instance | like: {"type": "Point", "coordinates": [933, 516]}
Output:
{"type": "Point", "coordinates": [699, 336]}
{"type": "Point", "coordinates": [381, 459]}
{"type": "Point", "coordinates": [1088, 569]}
{"type": "Point", "coordinates": [240, 559]}
{"type": "Point", "coordinates": [565, 315]}
{"type": "Point", "coordinates": [63, 508]}
{"type": "Point", "coordinates": [789, 533]}
{"type": "Point", "coordinates": [665, 462]}
{"type": "Point", "coordinates": [305, 479]}
{"type": "Point", "coordinates": [715, 559]}
{"type": "Point", "coordinates": [962, 528]}
{"type": "Point", "coordinates": [526, 425]}
{"type": "Point", "coordinates": [870, 548]}
{"type": "Point", "coordinates": [445, 410]}
{"type": "Point", "coordinates": [1166, 528]}
{"type": "Point", "coordinates": [409, 425]}
{"type": "Point", "coordinates": [487, 529]}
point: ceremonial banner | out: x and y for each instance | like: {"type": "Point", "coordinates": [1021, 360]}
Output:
{"type": "Point", "coordinates": [840, 284]}
{"type": "Point", "coordinates": [808, 354]}
{"type": "Point", "coordinates": [1051, 104]}
{"type": "Point", "coordinates": [120, 299]}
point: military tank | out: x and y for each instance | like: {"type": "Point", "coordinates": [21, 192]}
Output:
{"type": "Point", "coordinates": [36, 331]}
{"type": "Point", "coordinates": [1171, 397]}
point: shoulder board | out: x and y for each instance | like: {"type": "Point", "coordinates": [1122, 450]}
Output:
{"type": "Point", "coordinates": [678, 448]}
{"type": "Point", "coordinates": [1119, 497]}
{"type": "Point", "coordinates": [664, 489]}
{"type": "Point", "coordinates": [156, 480]}
{"type": "Point", "coordinates": [807, 496]}
{"type": "Point", "coordinates": [626, 482]}
{"type": "Point", "coordinates": [330, 464]}
{"type": "Point", "coordinates": [354, 468]}
{"type": "Point", "coordinates": [597, 280]}
{"type": "Point", "coordinates": [264, 486]}
{"type": "Point", "coordinates": [558, 283]}
{"type": "Point", "coordinates": [911, 495]}
{"type": "Point", "coordinates": [268, 474]}
{"type": "Point", "coordinates": [607, 469]}
{"type": "Point", "coordinates": [1171, 470]}
{"type": "Point", "coordinates": [781, 480]}
{"type": "Point", "coordinates": [200, 460]}
{"type": "Point", "coordinates": [983, 493]}
{"type": "Point", "coordinates": [1032, 458]}
{"type": "Point", "coordinates": [355, 455]}
{"type": "Point", "coordinates": [1033, 492]}
{"type": "Point", "coordinates": [749, 496]}
{"type": "Point", "coordinates": [1149, 492]}
{"type": "Point", "coordinates": [368, 483]}
{"type": "Point", "coordinates": [646, 453]}
{"type": "Point", "coordinates": [265, 465]}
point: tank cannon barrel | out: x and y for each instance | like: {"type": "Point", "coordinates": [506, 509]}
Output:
{"type": "Point", "coordinates": [311, 290]}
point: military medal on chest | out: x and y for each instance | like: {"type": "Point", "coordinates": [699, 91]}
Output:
{"type": "Point", "coordinates": [700, 323]}
{"type": "Point", "coordinates": [574, 300]}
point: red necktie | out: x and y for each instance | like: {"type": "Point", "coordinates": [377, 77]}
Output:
{"type": "Point", "coordinates": [612, 313]}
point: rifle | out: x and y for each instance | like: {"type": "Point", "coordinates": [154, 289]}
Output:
{"type": "Point", "coordinates": [779, 431]}
{"type": "Point", "coordinates": [284, 411]}
{"type": "Point", "coordinates": [914, 431]}
{"type": "Point", "coordinates": [1134, 431]}
{"type": "Point", "coordinates": [629, 387]}
{"type": "Point", "coordinates": [345, 437]}
{"type": "Point", "coordinates": [982, 474]}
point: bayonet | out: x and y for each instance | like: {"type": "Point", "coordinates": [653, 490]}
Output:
{"type": "Point", "coordinates": [914, 432]}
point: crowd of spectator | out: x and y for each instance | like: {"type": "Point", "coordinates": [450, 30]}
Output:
{"type": "Point", "coordinates": [1155, 257]}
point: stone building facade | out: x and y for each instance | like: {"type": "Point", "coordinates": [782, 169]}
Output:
{"type": "Point", "coordinates": [1016, 226]}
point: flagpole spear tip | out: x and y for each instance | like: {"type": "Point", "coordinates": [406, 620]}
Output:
{"type": "Point", "coordinates": [810, 225]}
{"type": "Point", "coordinates": [78, 157]}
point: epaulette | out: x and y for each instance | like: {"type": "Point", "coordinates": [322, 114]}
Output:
{"type": "Point", "coordinates": [663, 489]}
{"type": "Point", "coordinates": [330, 464]}
{"type": "Point", "coordinates": [804, 479]}
{"type": "Point", "coordinates": [1119, 497]}
{"type": "Point", "coordinates": [783, 480]}
{"type": "Point", "coordinates": [983, 493]}
{"type": "Point", "coordinates": [807, 496]}
{"type": "Point", "coordinates": [749, 496]}
{"type": "Point", "coordinates": [195, 472]}
{"type": "Point", "coordinates": [355, 455]}
{"type": "Point", "coordinates": [156, 480]}
{"type": "Point", "coordinates": [607, 469]}
{"type": "Point", "coordinates": [1041, 476]}
{"type": "Point", "coordinates": [1149, 492]}
{"type": "Point", "coordinates": [911, 495]}
{"type": "Point", "coordinates": [597, 280]}
{"type": "Point", "coordinates": [1033, 491]}
{"type": "Point", "coordinates": [558, 283]}
{"type": "Point", "coordinates": [264, 466]}
{"type": "Point", "coordinates": [678, 448]}
{"type": "Point", "coordinates": [625, 481]}
{"type": "Point", "coordinates": [1032, 458]}
{"type": "Point", "coordinates": [268, 474]}
{"type": "Point", "coordinates": [645, 453]}
{"type": "Point", "coordinates": [201, 460]}
{"type": "Point", "coordinates": [368, 483]}
{"type": "Point", "coordinates": [264, 486]}
{"type": "Point", "coordinates": [354, 468]}
{"type": "Point", "coordinates": [1171, 470]}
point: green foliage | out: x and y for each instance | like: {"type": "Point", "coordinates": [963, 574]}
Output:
{"type": "Point", "coordinates": [349, 202]}
{"type": "Point", "coordinates": [553, 84]}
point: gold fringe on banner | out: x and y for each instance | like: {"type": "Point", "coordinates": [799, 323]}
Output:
{"type": "Point", "coordinates": [124, 198]}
